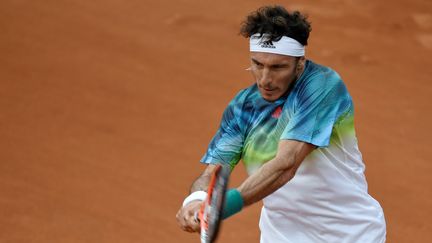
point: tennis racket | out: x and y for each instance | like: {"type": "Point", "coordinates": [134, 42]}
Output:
{"type": "Point", "coordinates": [210, 215]}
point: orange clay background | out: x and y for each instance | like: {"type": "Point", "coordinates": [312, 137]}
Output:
{"type": "Point", "coordinates": [106, 107]}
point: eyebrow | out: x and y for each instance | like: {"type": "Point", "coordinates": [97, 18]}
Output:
{"type": "Point", "coordinates": [272, 66]}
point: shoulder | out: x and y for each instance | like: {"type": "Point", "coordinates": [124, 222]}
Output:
{"type": "Point", "coordinates": [319, 79]}
{"type": "Point", "coordinates": [241, 108]}
{"type": "Point", "coordinates": [319, 75]}
{"type": "Point", "coordinates": [244, 99]}
{"type": "Point", "coordinates": [320, 86]}
{"type": "Point", "coordinates": [246, 94]}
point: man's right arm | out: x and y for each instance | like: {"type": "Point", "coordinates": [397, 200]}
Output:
{"type": "Point", "coordinates": [186, 214]}
{"type": "Point", "coordinates": [226, 146]}
{"type": "Point", "coordinates": [201, 183]}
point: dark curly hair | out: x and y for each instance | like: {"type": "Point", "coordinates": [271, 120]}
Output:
{"type": "Point", "coordinates": [277, 22]}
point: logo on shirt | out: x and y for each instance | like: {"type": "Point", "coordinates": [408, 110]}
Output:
{"type": "Point", "coordinates": [276, 114]}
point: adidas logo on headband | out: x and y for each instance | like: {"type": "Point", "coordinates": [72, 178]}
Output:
{"type": "Point", "coordinates": [267, 44]}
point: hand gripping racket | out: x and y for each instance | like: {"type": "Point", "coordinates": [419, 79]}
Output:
{"type": "Point", "coordinates": [210, 215]}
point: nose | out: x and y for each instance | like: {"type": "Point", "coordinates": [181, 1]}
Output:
{"type": "Point", "coordinates": [265, 79]}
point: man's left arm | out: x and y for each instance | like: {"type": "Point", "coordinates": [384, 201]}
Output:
{"type": "Point", "coordinates": [276, 172]}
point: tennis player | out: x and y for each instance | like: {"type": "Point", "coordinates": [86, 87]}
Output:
{"type": "Point", "coordinates": [294, 131]}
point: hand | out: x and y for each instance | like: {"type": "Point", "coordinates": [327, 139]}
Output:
{"type": "Point", "coordinates": [186, 217]}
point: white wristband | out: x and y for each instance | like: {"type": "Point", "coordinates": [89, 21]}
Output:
{"type": "Point", "coordinates": [198, 195]}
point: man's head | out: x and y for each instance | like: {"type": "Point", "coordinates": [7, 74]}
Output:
{"type": "Point", "coordinates": [277, 40]}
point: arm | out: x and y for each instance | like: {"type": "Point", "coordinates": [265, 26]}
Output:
{"type": "Point", "coordinates": [186, 215]}
{"type": "Point", "coordinates": [275, 173]}
{"type": "Point", "coordinates": [201, 183]}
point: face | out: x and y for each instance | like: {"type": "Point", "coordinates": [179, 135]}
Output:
{"type": "Point", "coordinates": [274, 73]}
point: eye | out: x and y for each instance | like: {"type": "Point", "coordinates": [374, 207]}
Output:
{"type": "Point", "coordinates": [280, 67]}
{"type": "Point", "coordinates": [258, 65]}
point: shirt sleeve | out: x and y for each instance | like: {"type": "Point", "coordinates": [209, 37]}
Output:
{"type": "Point", "coordinates": [319, 104]}
{"type": "Point", "coordinates": [226, 146]}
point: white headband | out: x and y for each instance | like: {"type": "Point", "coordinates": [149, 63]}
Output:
{"type": "Point", "coordinates": [285, 46]}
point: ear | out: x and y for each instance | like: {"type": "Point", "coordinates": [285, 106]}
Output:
{"type": "Point", "coordinates": [300, 64]}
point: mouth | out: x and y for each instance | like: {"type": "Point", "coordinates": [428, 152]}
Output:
{"type": "Point", "coordinates": [268, 90]}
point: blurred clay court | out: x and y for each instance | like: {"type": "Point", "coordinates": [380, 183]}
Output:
{"type": "Point", "coordinates": [106, 108]}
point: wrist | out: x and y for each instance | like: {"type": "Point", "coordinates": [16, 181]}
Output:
{"type": "Point", "coordinates": [197, 195]}
{"type": "Point", "coordinates": [233, 203]}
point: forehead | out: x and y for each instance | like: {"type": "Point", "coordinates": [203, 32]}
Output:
{"type": "Point", "coordinates": [271, 58]}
